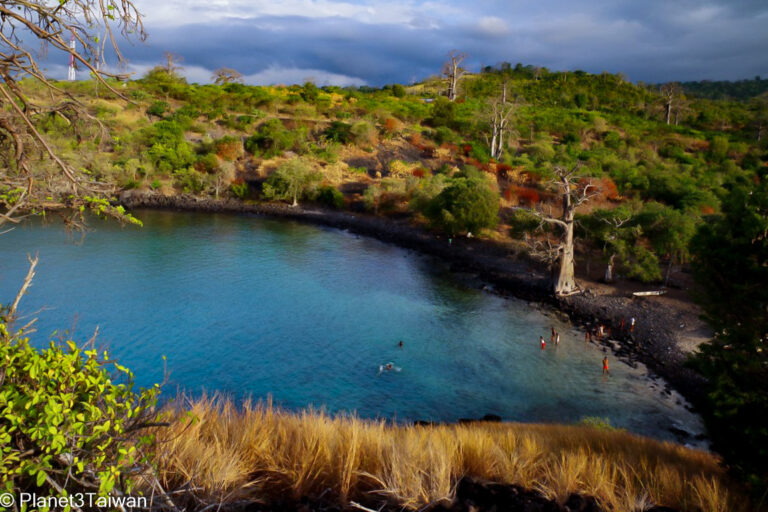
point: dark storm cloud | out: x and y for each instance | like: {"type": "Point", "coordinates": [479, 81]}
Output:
{"type": "Point", "coordinates": [653, 41]}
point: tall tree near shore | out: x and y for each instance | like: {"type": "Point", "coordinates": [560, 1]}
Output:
{"type": "Point", "coordinates": [560, 253]}
{"type": "Point", "coordinates": [24, 187]}
{"type": "Point", "coordinates": [453, 71]}
{"type": "Point", "coordinates": [670, 94]}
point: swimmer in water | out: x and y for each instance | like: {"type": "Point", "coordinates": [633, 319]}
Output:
{"type": "Point", "coordinates": [400, 344]}
{"type": "Point", "coordinates": [389, 367]}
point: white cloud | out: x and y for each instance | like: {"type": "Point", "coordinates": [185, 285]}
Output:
{"type": "Point", "coordinates": [180, 12]}
{"type": "Point", "coordinates": [269, 76]}
{"type": "Point", "coordinates": [492, 26]}
{"type": "Point", "coordinates": [280, 75]}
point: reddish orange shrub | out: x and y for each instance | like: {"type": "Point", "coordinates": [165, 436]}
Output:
{"type": "Point", "coordinates": [608, 188]}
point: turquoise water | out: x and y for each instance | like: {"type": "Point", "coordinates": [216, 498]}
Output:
{"type": "Point", "coordinates": [252, 307]}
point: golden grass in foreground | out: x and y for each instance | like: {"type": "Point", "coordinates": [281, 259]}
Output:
{"type": "Point", "coordinates": [230, 454]}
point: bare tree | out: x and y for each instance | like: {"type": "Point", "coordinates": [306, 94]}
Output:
{"type": "Point", "coordinates": [91, 22]}
{"type": "Point", "coordinates": [500, 113]}
{"type": "Point", "coordinates": [226, 76]}
{"type": "Point", "coordinates": [453, 71]}
{"type": "Point", "coordinates": [560, 251]}
{"type": "Point", "coordinates": [670, 94]}
{"type": "Point", "coordinates": [172, 63]}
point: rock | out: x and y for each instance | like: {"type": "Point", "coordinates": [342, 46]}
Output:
{"type": "Point", "coordinates": [492, 417]}
{"type": "Point", "coordinates": [579, 503]}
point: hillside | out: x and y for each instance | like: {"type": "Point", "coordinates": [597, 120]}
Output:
{"type": "Point", "coordinates": [392, 151]}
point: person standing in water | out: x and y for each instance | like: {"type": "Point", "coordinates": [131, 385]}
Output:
{"type": "Point", "coordinates": [543, 342]}
{"type": "Point", "coordinates": [606, 371]}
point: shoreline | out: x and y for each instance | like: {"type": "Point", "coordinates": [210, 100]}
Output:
{"type": "Point", "coordinates": [654, 343]}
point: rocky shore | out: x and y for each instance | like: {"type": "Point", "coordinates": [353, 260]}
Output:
{"type": "Point", "coordinates": [472, 495]}
{"type": "Point", "coordinates": [654, 342]}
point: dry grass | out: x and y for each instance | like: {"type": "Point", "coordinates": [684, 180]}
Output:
{"type": "Point", "coordinates": [256, 452]}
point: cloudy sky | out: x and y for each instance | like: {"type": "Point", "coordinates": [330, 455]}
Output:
{"type": "Point", "coordinates": [356, 42]}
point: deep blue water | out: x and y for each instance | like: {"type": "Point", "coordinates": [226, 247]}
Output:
{"type": "Point", "coordinates": [253, 307]}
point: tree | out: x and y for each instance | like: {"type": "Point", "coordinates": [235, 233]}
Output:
{"type": "Point", "coordinates": [670, 94]}
{"type": "Point", "coordinates": [25, 188]}
{"type": "Point", "coordinates": [291, 181]}
{"type": "Point", "coordinates": [467, 204]}
{"type": "Point", "coordinates": [500, 112]}
{"type": "Point", "coordinates": [453, 71]}
{"type": "Point", "coordinates": [226, 76]}
{"type": "Point", "coordinates": [731, 267]}
{"type": "Point", "coordinates": [560, 253]}
{"type": "Point", "coordinates": [669, 231]}
{"type": "Point", "coordinates": [172, 63]}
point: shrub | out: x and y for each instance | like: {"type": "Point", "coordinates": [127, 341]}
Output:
{"type": "Point", "coordinates": [270, 139]}
{"type": "Point", "coordinates": [467, 204]}
{"type": "Point", "coordinates": [158, 108]}
{"type": "Point", "coordinates": [190, 180]}
{"type": "Point", "coordinates": [398, 91]}
{"type": "Point", "coordinates": [207, 163]}
{"type": "Point", "coordinates": [331, 197]}
{"type": "Point", "coordinates": [363, 133]}
{"type": "Point", "coordinates": [339, 132]}
{"type": "Point", "coordinates": [239, 188]}
{"type": "Point", "coordinates": [70, 418]}
{"type": "Point", "coordinates": [228, 148]}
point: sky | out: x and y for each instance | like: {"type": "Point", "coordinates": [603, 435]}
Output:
{"type": "Point", "coordinates": [367, 42]}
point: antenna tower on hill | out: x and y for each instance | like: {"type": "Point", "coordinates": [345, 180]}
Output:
{"type": "Point", "coordinates": [71, 75]}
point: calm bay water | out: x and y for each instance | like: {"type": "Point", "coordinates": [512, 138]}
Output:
{"type": "Point", "coordinates": [252, 307]}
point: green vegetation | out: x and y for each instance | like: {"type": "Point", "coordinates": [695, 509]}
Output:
{"type": "Point", "coordinates": [71, 420]}
{"type": "Point", "coordinates": [293, 180]}
{"type": "Point", "coordinates": [732, 268]}
{"type": "Point", "coordinates": [468, 204]}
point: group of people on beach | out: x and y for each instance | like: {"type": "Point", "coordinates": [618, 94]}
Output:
{"type": "Point", "coordinates": [597, 333]}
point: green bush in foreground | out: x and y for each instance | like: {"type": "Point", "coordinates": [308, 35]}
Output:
{"type": "Point", "coordinates": [70, 421]}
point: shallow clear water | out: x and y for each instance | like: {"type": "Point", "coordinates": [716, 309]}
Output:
{"type": "Point", "coordinates": [253, 307]}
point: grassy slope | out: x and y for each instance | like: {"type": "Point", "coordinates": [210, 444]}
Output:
{"type": "Point", "coordinates": [260, 453]}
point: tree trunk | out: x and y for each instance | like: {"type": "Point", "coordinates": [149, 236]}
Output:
{"type": "Point", "coordinates": [669, 272]}
{"type": "Point", "coordinates": [565, 283]}
{"type": "Point", "coordinates": [668, 109]}
{"type": "Point", "coordinates": [609, 269]}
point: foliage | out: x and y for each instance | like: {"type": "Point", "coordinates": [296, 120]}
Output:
{"type": "Point", "coordinates": [467, 204]}
{"type": "Point", "coordinates": [331, 197]}
{"type": "Point", "coordinates": [71, 420]}
{"type": "Point", "coordinates": [158, 108]}
{"type": "Point", "coordinates": [272, 139]}
{"type": "Point", "coordinates": [239, 188]}
{"type": "Point", "coordinates": [292, 180]}
{"type": "Point", "coordinates": [731, 268]}
{"type": "Point", "coordinates": [190, 180]}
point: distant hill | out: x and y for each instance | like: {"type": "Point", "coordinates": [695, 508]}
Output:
{"type": "Point", "coordinates": [719, 90]}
